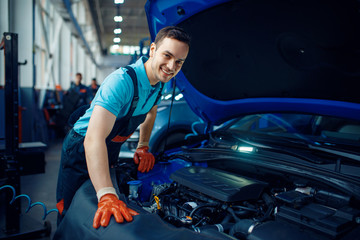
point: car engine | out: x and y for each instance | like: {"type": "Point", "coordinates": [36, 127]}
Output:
{"type": "Point", "coordinates": [206, 199]}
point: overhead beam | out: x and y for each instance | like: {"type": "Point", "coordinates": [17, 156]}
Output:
{"type": "Point", "coordinates": [95, 12]}
{"type": "Point", "coordinates": [63, 7]}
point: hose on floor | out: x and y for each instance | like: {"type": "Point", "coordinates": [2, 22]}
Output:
{"type": "Point", "coordinates": [30, 204]}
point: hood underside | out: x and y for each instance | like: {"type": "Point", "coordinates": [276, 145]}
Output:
{"type": "Point", "coordinates": [267, 56]}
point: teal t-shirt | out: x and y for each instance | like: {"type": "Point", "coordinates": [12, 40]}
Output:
{"type": "Point", "coordinates": [116, 93]}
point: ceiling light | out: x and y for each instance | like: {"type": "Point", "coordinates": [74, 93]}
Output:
{"type": "Point", "coordinates": [178, 97]}
{"type": "Point", "coordinates": [118, 19]}
{"type": "Point", "coordinates": [114, 49]}
{"type": "Point", "coordinates": [117, 30]}
{"type": "Point", "coordinates": [126, 49]}
{"type": "Point", "coordinates": [168, 96]}
{"type": "Point", "coordinates": [118, 1]}
{"type": "Point", "coordinates": [117, 40]}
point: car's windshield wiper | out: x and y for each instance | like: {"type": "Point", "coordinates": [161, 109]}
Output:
{"type": "Point", "coordinates": [304, 143]}
{"type": "Point", "coordinates": [336, 152]}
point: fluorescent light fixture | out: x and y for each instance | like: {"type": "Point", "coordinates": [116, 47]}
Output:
{"type": "Point", "coordinates": [132, 49]}
{"type": "Point", "coordinates": [118, 18]}
{"type": "Point", "coordinates": [123, 49]}
{"type": "Point", "coordinates": [117, 40]}
{"type": "Point", "coordinates": [245, 149]}
{"type": "Point", "coordinates": [179, 96]}
{"type": "Point", "coordinates": [118, 1]}
{"type": "Point", "coordinates": [167, 97]}
{"type": "Point", "coordinates": [144, 51]}
{"type": "Point", "coordinates": [114, 48]}
{"type": "Point", "coordinates": [117, 30]}
{"type": "Point", "coordinates": [126, 49]}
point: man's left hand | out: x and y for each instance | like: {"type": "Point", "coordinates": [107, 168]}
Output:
{"type": "Point", "coordinates": [144, 158]}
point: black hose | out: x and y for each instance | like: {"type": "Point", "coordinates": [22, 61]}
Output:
{"type": "Point", "coordinates": [243, 227]}
{"type": "Point", "coordinates": [231, 211]}
{"type": "Point", "coordinates": [245, 208]}
{"type": "Point", "coordinates": [207, 205]}
{"type": "Point", "coordinates": [216, 227]}
{"type": "Point", "coordinates": [168, 125]}
{"type": "Point", "coordinates": [226, 220]}
{"type": "Point", "coordinates": [270, 203]}
{"type": "Point", "coordinates": [242, 213]}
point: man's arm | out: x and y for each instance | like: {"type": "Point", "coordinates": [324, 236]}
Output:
{"type": "Point", "coordinates": [142, 157]}
{"type": "Point", "coordinates": [100, 126]}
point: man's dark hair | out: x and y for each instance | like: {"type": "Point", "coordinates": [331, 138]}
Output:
{"type": "Point", "coordinates": [172, 32]}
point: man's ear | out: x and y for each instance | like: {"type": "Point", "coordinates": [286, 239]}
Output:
{"type": "Point", "coordinates": [152, 49]}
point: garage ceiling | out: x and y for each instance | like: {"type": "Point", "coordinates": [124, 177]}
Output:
{"type": "Point", "coordinates": [134, 25]}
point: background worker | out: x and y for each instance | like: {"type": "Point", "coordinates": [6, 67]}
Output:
{"type": "Point", "coordinates": [93, 88]}
{"type": "Point", "coordinates": [76, 96]}
{"type": "Point", "coordinates": [93, 144]}
{"type": "Point", "coordinates": [80, 89]}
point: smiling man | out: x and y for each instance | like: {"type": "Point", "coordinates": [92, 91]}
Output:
{"type": "Point", "coordinates": [127, 98]}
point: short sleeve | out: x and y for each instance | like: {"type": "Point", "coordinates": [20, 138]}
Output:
{"type": "Point", "coordinates": [115, 93]}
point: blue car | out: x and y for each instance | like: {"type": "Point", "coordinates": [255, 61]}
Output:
{"type": "Point", "coordinates": [174, 123]}
{"type": "Point", "coordinates": [275, 83]}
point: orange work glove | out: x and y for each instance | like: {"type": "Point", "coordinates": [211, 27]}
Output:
{"type": "Point", "coordinates": [144, 158]}
{"type": "Point", "coordinates": [110, 205]}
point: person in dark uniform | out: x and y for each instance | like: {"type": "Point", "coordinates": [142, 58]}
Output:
{"type": "Point", "coordinates": [75, 97]}
{"type": "Point", "coordinates": [120, 106]}
{"type": "Point", "coordinates": [80, 89]}
{"type": "Point", "coordinates": [93, 88]}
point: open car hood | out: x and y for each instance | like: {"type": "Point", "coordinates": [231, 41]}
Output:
{"type": "Point", "coordinates": [266, 56]}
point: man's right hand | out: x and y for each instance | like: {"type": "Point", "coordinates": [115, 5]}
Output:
{"type": "Point", "coordinates": [144, 158]}
{"type": "Point", "coordinates": [109, 205]}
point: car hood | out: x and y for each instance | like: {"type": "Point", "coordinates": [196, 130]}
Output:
{"type": "Point", "coordinates": [266, 56]}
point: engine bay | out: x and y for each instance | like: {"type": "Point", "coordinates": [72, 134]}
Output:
{"type": "Point", "coordinates": [208, 200]}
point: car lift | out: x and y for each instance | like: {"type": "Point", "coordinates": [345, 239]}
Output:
{"type": "Point", "coordinates": [10, 156]}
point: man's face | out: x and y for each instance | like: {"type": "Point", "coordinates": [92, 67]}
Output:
{"type": "Point", "coordinates": [167, 59]}
{"type": "Point", "coordinates": [78, 78]}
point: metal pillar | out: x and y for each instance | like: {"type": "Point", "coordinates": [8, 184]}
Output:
{"type": "Point", "coordinates": [12, 128]}
{"type": "Point", "coordinates": [9, 158]}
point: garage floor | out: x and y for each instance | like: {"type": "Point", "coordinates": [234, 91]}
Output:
{"type": "Point", "coordinates": [40, 188]}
